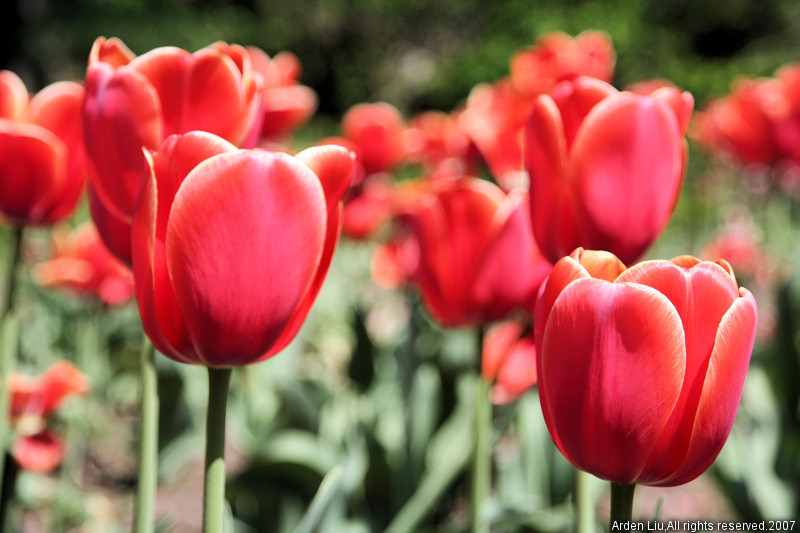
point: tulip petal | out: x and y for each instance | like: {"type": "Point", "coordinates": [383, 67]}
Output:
{"type": "Point", "coordinates": [546, 163]}
{"type": "Point", "coordinates": [576, 99]}
{"type": "Point", "coordinates": [112, 51]}
{"type": "Point", "coordinates": [627, 341]}
{"type": "Point", "coordinates": [518, 373]}
{"type": "Point", "coordinates": [626, 171]}
{"type": "Point", "coordinates": [166, 69]}
{"type": "Point", "coordinates": [721, 389]}
{"type": "Point", "coordinates": [13, 97]}
{"type": "Point", "coordinates": [701, 295]}
{"type": "Point", "coordinates": [335, 166]}
{"type": "Point", "coordinates": [217, 101]}
{"type": "Point", "coordinates": [453, 228]}
{"type": "Point", "coordinates": [512, 267]}
{"type": "Point", "coordinates": [33, 166]}
{"type": "Point", "coordinates": [121, 114]}
{"type": "Point", "coordinates": [243, 244]}
{"type": "Point", "coordinates": [496, 343]}
{"type": "Point", "coordinates": [332, 234]}
{"type": "Point", "coordinates": [41, 452]}
{"type": "Point", "coordinates": [114, 231]}
{"type": "Point", "coordinates": [57, 108]}
{"type": "Point", "coordinates": [161, 314]}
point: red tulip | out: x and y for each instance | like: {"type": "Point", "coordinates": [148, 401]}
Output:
{"type": "Point", "coordinates": [743, 123]}
{"type": "Point", "coordinates": [557, 57]}
{"type": "Point", "coordinates": [641, 369]}
{"type": "Point", "coordinates": [437, 143]}
{"type": "Point", "coordinates": [758, 123]}
{"type": "Point", "coordinates": [494, 118]}
{"type": "Point", "coordinates": [508, 361]}
{"type": "Point", "coordinates": [477, 259]}
{"type": "Point", "coordinates": [34, 401]}
{"type": "Point", "coordinates": [82, 263]}
{"type": "Point", "coordinates": [136, 102]}
{"type": "Point", "coordinates": [367, 206]}
{"type": "Point", "coordinates": [286, 105]}
{"type": "Point", "coordinates": [42, 160]}
{"type": "Point", "coordinates": [495, 114]}
{"type": "Point", "coordinates": [230, 247]}
{"type": "Point", "coordinates": [606, 167]}
{"type": "Point", "coordinates": [377, 132]}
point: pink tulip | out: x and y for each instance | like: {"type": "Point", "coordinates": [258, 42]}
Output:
{"type": "Point", "coordinates": [606, 167]}
{"type": "Point", "coordinates": [641, 369]}
{"type": "Point", "coordinates": [230, 247]}
{"type": "Point", "coordinates": [42, 160]}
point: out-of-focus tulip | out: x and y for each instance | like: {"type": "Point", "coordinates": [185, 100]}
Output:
{"type": "Point", "coordinates": [495, 114]}
{"type": "Point", "coordinates": [641, 369]}
{"type": "Point", "coordinates": [42, 160]}
{"type": "Point", "coordinates": [34, 401]}
{"type": "Point", "coordinates": [135, 102]}
{"type": "Point", "coordinates": [82, 262]}
{"type": "Point", "coordinates": [230, 247]}
{"type": "Point", "coordinates": [606, 167]}
{"type": "Point", "coordinates": [494, 118]}
{"type": "Point", "coordinates": [437, 143]}
{"type": "Point", "coordinates": [285, 104]}
{"type": "Point", "coordinates": [758, 124]}
{"type": "Point", "coordinates": [557, 57]}
{"type": "Point", "coordinates": [508, 361]}
{"type": "Point", "coordinates": [368, 205]}
{"type": "Point", "coordinates": [476, 257]}
{"type": "Point", "coordinates": [743, 124]}
{"type": "Point", "coordinates": [377, 134]}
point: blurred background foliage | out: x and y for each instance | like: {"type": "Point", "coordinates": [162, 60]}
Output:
{"type": "Point", "coordinates": [372, 394]}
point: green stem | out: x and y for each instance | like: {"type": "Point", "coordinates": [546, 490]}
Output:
{"type": "Point", "coordinates": [148, 445]}
{"type": "Point", "coordinates": [9, 340]}
{"type": "Point", "coordinates": [482, 464]}
{"type": "Point", "coordinates": [214, 489]}
{"type": "Point", "coordinates": [584, 502]}
{"type": "Point", "coordinates": [15, 244]}
{"type": "Point", "coordinates": [621, 503]}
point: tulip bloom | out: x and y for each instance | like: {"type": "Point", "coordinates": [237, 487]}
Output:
{"type": "Point", "coordinates": [34, 402]}
{"type": "Point", "coordinates": [286, 104]}
{"type": "Point", "coordinates": [606, 167]}
{"type": "Point", "coordinates": [136, 102]}
{"type": "Point", "coordinates": [82, 262]}
{"type": "Point", "coordinates": [476, 257]}
{"type": "Point", "coordinates": [758, 123]}
{"type": "Point", "coordinates": [230, 247]}
{"type": "Point", "coordinates": [556, 57]}
{"type": "Point", "coordinates": [42, 160]}
{"type": "Point", "coordinates": [508, 361]}
{"type": "Point", "coordinates": [641, 369]}
{"type": "Point", "coordinates": [377, 134]}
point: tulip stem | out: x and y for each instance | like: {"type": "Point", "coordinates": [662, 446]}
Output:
{"type": "Point", "coordinates": [621, 503]}
{"type": "Point", "coordinates": [584, 502]}
{"type": "Point", "coordinates": [15, 249]}
{"type": "Point", "coordinates": [214, 489]}
{"type": "Point", "coordinates": [481, 465]}
{"type": "Point", "coordinates": [9, 340]}
{"type": "Point", "coordinates": [148, 445]}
